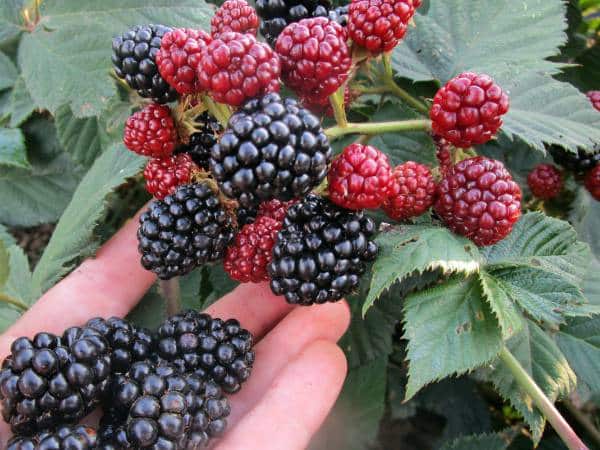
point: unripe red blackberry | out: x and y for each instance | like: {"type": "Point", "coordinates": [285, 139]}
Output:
{"type": "Point", "coordinates": [179, 56]}
{"type": "Point", "coordinates": [151, 132]}
{"type": "Point", "coordinates": [234, 15]}
{"type": "Point", "coordinates": [592, 182]}
{"type": "Point", "coordinates": [236, 67]}
{"type": "Point", "coordinates": [360, 177]}
{"type": "Point", "coordinates": [247, 258]}
{"type": "Point", "coordinates": [378, 25]}
{"type": "Point", "coordinates": [479, 199]}
{"type": "Point", "coordinates": [545, 181]}
{"type": "Point", "coordinates": [594, 97]}
{"type": "Point", "coordinates": [65, 437]}
{"type": "Point", "coordinates": [413, 191]}
{"type": "Point", "coordinates": [315, 58]}
{"type": "Point", "coordinates": [163, 175]}
{"type": "Point", "coordinates": [468, 109]}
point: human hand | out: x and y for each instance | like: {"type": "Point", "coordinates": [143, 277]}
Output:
{"type": "Point", "coordinates": [299, 370]}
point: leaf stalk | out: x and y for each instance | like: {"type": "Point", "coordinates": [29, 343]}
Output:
{"type": "Point", "coordinates": [392, 87]}
{"type": "Point", "coordinates": [5, 298]}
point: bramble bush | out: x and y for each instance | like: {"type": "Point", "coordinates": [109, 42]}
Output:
{"type": "Point", "coordinates": [494, 340]}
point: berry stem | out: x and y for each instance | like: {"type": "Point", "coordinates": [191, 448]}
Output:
{"type": "Point", "coordinates": [171, 292]}
{"type": "Point", "coordinates": [379, 127]}
{"type": "Point", "coordinates": [337, 103]}
{"type": "Point", "coordinates": [5, 298]}
{"type": "Point", "coordinates": [220, 112]}
{"type": "Point", "coordinates": [393, 88]}
{"type": "Point", "coordinates": [543, 403]}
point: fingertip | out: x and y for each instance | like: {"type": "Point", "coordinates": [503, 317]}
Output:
{"type": "Point", "coordinates": [330, 358]}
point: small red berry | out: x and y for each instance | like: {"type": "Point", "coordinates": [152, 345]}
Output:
{"type": "Point", "coordinates": [468, 109]}
{"type": "Point", "coordinates": [275, 209]}
{"type": "Point", "coordinates": [592, 182]}
{"type": "Point", "coordinates": [248, 257]}
{"type": "Point", "coordinates": [479, 199]}
{"type": "Point", "coordinates": [179, 56]}
{"type": "Point", "coordinates": [234, 15]}
{"type": "Point", "coordinates": [594, 97]}
{"type": "Point", "coordinates": [163, 175]}
{"type": "Point", "coordinates": [315, 58]}
{"type": "Point", "coordinates": [413, 192]}
{"type": "Point", "coordinates": [151, 132]}
{"type": "Point", "coordinates": [378, 25]}
{"type": "Point", "coordinates": [545, 181]}
{"type": "Point", "coordinates": [236, 67]}
{"type": "Point", "coordinates": [443, 153]}
{"type": "Point", "coordinates": [360, 177]}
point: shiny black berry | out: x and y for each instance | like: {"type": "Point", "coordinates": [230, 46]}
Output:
{"type": "Point", "coordinates": [211, 348]}
{"type": "Point", "coordinates": [187, 229]}
{"type": "Point", "coordinates": [340, 15]}
{"type": "Point", "coordinates": [202, 141]}
{"type": "Point", "coordinates": [50, 381]}
{"type": "Point", "coordinates": [272, 148]}
{"type": "Point", "coordinates": [133, 59]}
{"type": "Point", "coordinates": [321, 252]}
{"type": "Point", "coordinates": [579, 162]}
{"type": "Point", "coordinates": [66, 437]}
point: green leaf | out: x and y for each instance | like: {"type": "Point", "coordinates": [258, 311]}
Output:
{"type": "Point", "coordinates": [190, 290]}
{"type": "Point", "coordinates": [586, 219]}
{"type": "Point", "coordinates": [8, 72]}
{"type": "Point", "coordinates": [482, 36]}
{"type": "Point", "coordinates": [10, 19]}
{"type": "Point", "coordinates": [478, 442]}
{"type": "Point", "coordinates": [451, 330]}
{"type": "Point", "coordinates": [414, 249]}
{"type": "Point", "coordinates": [21, 104]}
{"type": "Point", "coordinates": [79, 137]}
{"type": "Point", "coordinates": [12, 148]}
{"type": "Point", "coordinates": [580, 343]}
{"type": "Point", "coordinates": [67, 61]}
{"type": "Point", "coordinates": [3, 264]}
{"type": "Point", "coordinates": [73, 237]}
{"type": "Point", "coordinates": [509, 318]}
{"type": "Point", "coordinates": [150, 311]}
{"type": "Point", "coordinates": [543, 360]}
{"type": "Point", "coordinates": [215, 284]}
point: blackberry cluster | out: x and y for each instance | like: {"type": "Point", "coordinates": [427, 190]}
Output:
{"type": "Point", "coordinates": [272, 148]}
{"type": "Point", "coordinates": [321, 252]}
{"type": "Point", "coordinates": [210, 348]}
{"type": "Point", "coordinates": [65, 437]}
{"type": "Point", "coordinates": [202, 141]}
{"type": "Point", "coordinates": [187, 229]}
{"type": "Point", "coordinates": [50, 380]}
{"type": "Point", "coordinates": [155, 406]}
{"type": "Point", "coordinates": [134, 61]}
{"type": "Point", "coordinates": [278, 14]}
{"type": "Point", "coordinates": [579, 162]}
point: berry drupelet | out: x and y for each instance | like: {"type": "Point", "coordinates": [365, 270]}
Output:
{"type": "Point", "coordinates": [234, 15]}
{"type": "Point", "coordinates": [594, 97]}
{"type": "Point", "coordinates": [468, 109]}
{"type": "Point", "coordinates": [163, 175]}
{"type": "Point", "coordinates": [187, 229]}
{"type": "Point", "coordinates": [151, 132]}
{"type": "Point", "coordinates": [592, 182]}
{"type": "Point", "coordinates": [479, 199]}
{"type": "Point", "coordinates": [209, 347]}
{"type": "Point", "coordinates": [65, 437]}
{"type": "Point", "coordinates": [443, 153]}
{"type": "Point", "coordinates": [545, 181]}
{"type": "Point", "coordinates": [413, 191]}
{"type": "Point", "coordinates": [134, 60]}
{"type": "Point", "coordinates": [321, 252]}
{"type": "Point", "coordinates": [272, 148]}
{"type": "Point", "coordinates": [360, 177]}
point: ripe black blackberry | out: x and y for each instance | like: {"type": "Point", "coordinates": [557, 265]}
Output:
{"type": "Point", "coordinates": [202, 141]}
{"type": "Point", "coordinates": [340, 15]}
{"type": "Point", "coordinates": [277, 14]}
{"type": "Point", "coordinates": [187, 229]}
{"type": "Point", "coordinates": [246, 215]}
{"type": "Point", "coordinates": [579, 162]}
{"type": "Point", "coordinates": [321, 252]}
{"type": "Point", "coordinates": [211, 348]}
{"type": "Point", "coordinates": [133, 59]}
{"type": "Point", "coordinates": [154, 405]}
{"type": "Point", "coordinates": [50, 381]}
{"type": "Point", "coordinates": [66, 437]}
{"type": "Point", "coordinates": [128, 343]}
{"type": "Point", "coordinates": [272, 148]}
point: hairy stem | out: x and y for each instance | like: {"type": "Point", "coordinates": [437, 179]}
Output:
{"type": "Point", "coordinates": [378, 127]}
{"type": "Point", "coordinates": [5, 298]}
{"type": "Point", "coordinates": [171, 293]}
{"type": "Point", "coordinates": [584, 421]}
{"type": "Point", "coordinates": [543, 403]}
{"type": "Point", "coordinates": [337, 103]}
{"type": "Point", "coordinates": [393, 88]}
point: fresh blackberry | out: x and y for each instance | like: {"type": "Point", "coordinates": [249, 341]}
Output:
{"type": "Point", "coordinates": [50, 381]}
{"type": "Point", "coordinates": [187, 229]}
{"type": "Point", "coordinates": [278, 14]}
{"type": "Point", "coordinates": [246, 215]}
{"type": "Point", "coordinates": [579, 162]}
{"type": "Point", "coordinates": [340, 15]}
{"type": "Point", "coordinates": [134, 61]}
{"type": "Point", "coordinates": [321, 252]}
{"type": "Point", "coordinates": [272, 148]}
{"type": "Point", "coordinates": [128, 343]}
{"type": "Point", "coordinates": [66, 437]}
{"type": "Point", "coordinates": [208, 128]}
{"type": "Point", "coordinates": [161, 408]}
{"type": "Point", "coordinates": [211, 348]}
